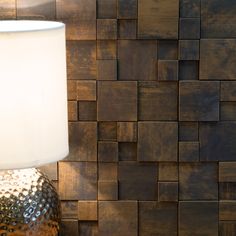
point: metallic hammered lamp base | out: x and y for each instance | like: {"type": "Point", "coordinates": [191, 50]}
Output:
{"type": "Point", "coordinates": [29, 204]}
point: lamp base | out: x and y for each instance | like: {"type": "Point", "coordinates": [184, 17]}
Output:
{"type": "Point", "coordinates": [29, 204]}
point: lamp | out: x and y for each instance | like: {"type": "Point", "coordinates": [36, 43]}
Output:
{"type": "Point", "coordinates": [33, 124]}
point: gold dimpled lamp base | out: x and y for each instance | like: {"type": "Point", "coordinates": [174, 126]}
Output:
{"type": "Point", "coordinates": [29, 204]}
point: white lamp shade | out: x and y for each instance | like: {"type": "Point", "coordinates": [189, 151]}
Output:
{"type": "Point", "coordinates": [33, 93]}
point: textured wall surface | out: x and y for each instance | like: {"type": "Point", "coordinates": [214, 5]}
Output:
{"type": "Point", "coordinates": [152, 112]}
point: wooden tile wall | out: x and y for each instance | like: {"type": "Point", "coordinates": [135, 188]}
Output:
{"type": "Point", "coordinates": [152, 115]}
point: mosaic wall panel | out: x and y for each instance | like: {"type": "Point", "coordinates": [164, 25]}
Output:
{"type": "Point", "coordinates": [152, 115]}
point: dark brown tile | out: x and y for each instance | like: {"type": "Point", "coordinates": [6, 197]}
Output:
{"type": "Point", "coordinates": [117, 101]}
{"type": "Point", "coordinates": [126, 131]}
{"type": "Point", "coordinates": [137, 59]}
{"type": "Point", "coordinates": [213, 66]}
{"type": "Point", "coordinates": [168, 171]}
{"type": "Point", "coordinates": [189, 28]}
{"type": "Point", "coordinates": [107, 191]}
{"type": "Point", "coordinates": [69, 227]}
{"type": "Point", "coordinates": [198, 218]}
{"type": "Point", "coordinates": [188, 131]}
{"type": "Point", "coordinates": [168, 70]}
{"type": "Point", "coordinates": [158, 101]}
{"type": "Point", "coordinates": [106, 29]}
{"type": "Point", "coordinates": [106, 9]}
{"type": "Point", "coordinates": [218, 19]}
{"type": "Point", "coordinates": [158, 218]}
{"type": "Point", "coordinates": [198, 181]}
{"type": "Point", "coordinates": [188, 151]}
{"type": "Point", "coordinates": [127, 9]}
{"type": "Point", "coordinates": [127, 151]}
{"type": "Point", "coordinates": [228, 111]}
{"type": "Point", "coordinates": [227, 191]}
{"type": "Point", "coordinates": [87, 111]}
{"type": "Point", "coordinates": [188, 70]}
{"type": "Point", "coordinates": [69, 209]}
{"type": "Point", "coordinates": [157, 141]}
{"type": "Point", "coordinates": [107, 131]}
{"type": "Point", "coordinates": [119, 215]}
{"type": "Point", "coordinates": [80, 18]}
{"type": "Point", "coordinates": [188, 49]}
{"type": "Point", "coordinates": [168, 49]}
{"type": "Point", "coordinates": [227, 228]}
{"type": "Point", "coordinates": [107, 172]}
{"type": "Point", "coordinates": [227, 171]}
{"type": "Point", "coordinates": [78, 180]}
{"type": "Point", "coordinates": [190, 8]}
{"type": "Point", "coordinates": [107, 151]}
{"type": "Point", "coordinates": [158, 19]}
{"type": "Point", "coordinates": [167, 191]}
{"type": "Point", "coordinates": [106, 49]}
{"type": "Point", "coordinates": [107, 70]}
{"type": "Point", "coordinates": [137, 181]}
{"type": "Point", "coordinates": [199, 101]}
{"type": "Point", "coordinates": [72, 111]}
{"type": "Point", "coordinates": [127, 29]}
{"type": "Point", "coordinates": [81, 60]}
{"type": "Point", "coordinates": [228, 91]}
{"type": "Point", "coordinates": [216, 141]}
{"type": "Point", "coordinates": [87, 210]}
{"type": "Point", "coordinates": [82, 141]}
{"type": "Point", "coordinates": [227, 210]}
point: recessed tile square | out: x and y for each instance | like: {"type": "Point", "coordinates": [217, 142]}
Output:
{"type": "Point", "coordinates": [82, 179]}
{"type": "Point", "coordinates": [198, 218]}
{"type": "Point", "coordinates": [158, 19]}
{"type": "Point", "coordinates": [217, 59]}
{"type": "Point", "coordinates": [117, 101]}
{"type": "Point", "coordinates": [188, 49]}
{"type": "Point", "coordinates": [137, 181]}
{"type": "Point", "coordinates": [217, 141]}
{"type": "Point", "coordinates": [199, 101]}
{"type": "Point", "coordinates": [218, 19]}
{"type": "Point", "coordinates": [137, 59]}
{"type": "Point", "coordinates": [198, 181]}
{"type": "Point", "coordinates": [119, 215]}
{"type": "Point", "coordinates": [157, 141]}
{"type": "Point", "coordinates": [158, 101]}
{"type": "Point", "coordinates": [158, 218]}
{"type": "Point", "coordinates": [82, 141]}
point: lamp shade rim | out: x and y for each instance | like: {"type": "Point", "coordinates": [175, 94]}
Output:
{"type": "Point", "coordinates": [33, 163]}
{"type": "Point", "coordinates": [23, 26]}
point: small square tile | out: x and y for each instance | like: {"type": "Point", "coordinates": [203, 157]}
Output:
{"type": "Point", "coordinates": [168, 172]}
{"type": "Point", "coordinates": [87, 210]}
{"type": "Point", "coordinates": [127, 151]}
{"type": "Point", "coordinates": [107, 131]}
{"type": "Point", "coordinates": [189, 50]}
{"type": "Point", "coordinates": [168, 50]}
{"type": "Point", "coordinates": [107, 151]}
{"type": "Point", "coordinates": [168, 191]}
{"type": "Point", "coordinates": [106, 29]}
{"type": "Point", "coordinates": [107, 70]}
{"type": "Point", "coordinates": [188, 70]}
{"type": "Point", "coordinates": [168, 70]}
{"type": "Point", "coordinates": [189, 28]}
{"type": "Point", "coordinates": [107, 191]}
{"type": "Point", "coordinates": [87, 111]}
{"type": "Point", "coordinates": [86, 90]}
{"type": "Point", "coordinates": [188, 151]}
{"type": "Point", "coordinates": [127, 29]}
{"type": "Point", "coordinates": [127, 9]}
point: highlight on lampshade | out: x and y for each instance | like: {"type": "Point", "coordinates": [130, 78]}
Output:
{"type": "Point", "coordinates": [33, 93]}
